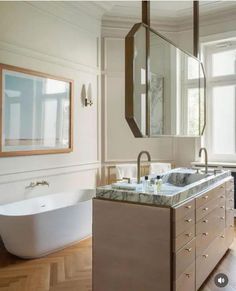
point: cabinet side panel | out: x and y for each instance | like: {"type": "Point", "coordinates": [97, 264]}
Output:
{"type": "Point", "coordinates": [131, 247]}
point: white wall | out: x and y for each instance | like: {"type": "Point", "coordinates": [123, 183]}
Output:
{"type": "Point", "coordinates": [53, 38]}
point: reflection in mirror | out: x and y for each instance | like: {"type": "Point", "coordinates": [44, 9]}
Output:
{"type": "Point", "coordinates": [176, 99]}
{"type": "Point", "coordinates": [176, 89]}
{"type": "Point", "coordinates": [36, 113]}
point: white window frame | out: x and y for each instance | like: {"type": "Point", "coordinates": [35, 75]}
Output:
{"type": "Point", "coordinates": [208, 49]}
{"type": "Point", "coordinates": [186, 85]}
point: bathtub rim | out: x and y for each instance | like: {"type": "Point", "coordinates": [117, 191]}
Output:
{"type": "Point", "coordinates": [46, 211]}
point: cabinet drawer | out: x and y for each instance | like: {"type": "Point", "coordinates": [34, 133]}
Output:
{"type": "Point", "coordinates": [184, 209]}
{"type": "Point", "coordinates": [186, 281]}
{"type": "Point", "coordinates": [215, 217]}
{"type": "Point", "coordinates": [207, 208]}
{"type": "Point", "coordinates": [229, 203]}
{"type": "Point", "coordinates": [229, 216]}
{"type": "Point", "coordinates": [229, 193]}
{"type": "Point", "coordinates": [220, 190]}
{"type": "Point", "coordinates": [184, 223]}
{"type": "Point", "coordinates": [214, 193]}
{"type": "Point", "coordinates": [184, 257]}
{"type": "Point", "coordinates": [184, 238]}
{"type": "Point", "coordinates": [229, 235]}
{"type": "Point", "coordinates": [206, 262]}
{"type": "Point", "coordinates": [204, 239]}
{"type": "Point", "coordinates": [230, 184]}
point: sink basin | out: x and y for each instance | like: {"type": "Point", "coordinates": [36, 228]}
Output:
{"type": "Point", "coordinates": [183, 179]}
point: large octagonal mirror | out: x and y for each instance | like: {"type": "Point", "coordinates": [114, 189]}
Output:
{"type": "Point", "coordinates": [165, 87]}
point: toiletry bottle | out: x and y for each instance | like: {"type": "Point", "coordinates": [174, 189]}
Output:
{"type": "Point", "coordinates": [158, 183]}
{"type": "Point", "coordinates": [145, 184]}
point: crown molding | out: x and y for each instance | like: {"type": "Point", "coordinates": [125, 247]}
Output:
{"type": "Point", "coordinates": [76, 13]}
{"type": "Point", "coordinates": [169, 24]}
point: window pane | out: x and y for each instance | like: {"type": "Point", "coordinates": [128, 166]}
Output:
{"type": "Point", "coordinates": [223, 105]}
{"type": "Point", "coordinates": [193, 111]}
{"type": "Point", "coordinates": [223, 63]}
{"type": "Point", "coordinates": [193, 69]}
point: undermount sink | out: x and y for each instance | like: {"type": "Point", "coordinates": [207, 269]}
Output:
{"type": "Point", "coordinates": [183, 179]}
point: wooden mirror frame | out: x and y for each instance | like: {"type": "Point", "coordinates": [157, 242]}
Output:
{"type": "Point", "coordinates": [39, 151]}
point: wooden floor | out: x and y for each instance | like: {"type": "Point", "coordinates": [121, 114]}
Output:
{"type": "Point", "coordinates": [66, 270]}
{"type": "Point", "coordinates": [70, 270]}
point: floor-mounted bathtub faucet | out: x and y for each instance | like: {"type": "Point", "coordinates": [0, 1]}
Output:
{"type": "Point", "coordinates": [37, 183]}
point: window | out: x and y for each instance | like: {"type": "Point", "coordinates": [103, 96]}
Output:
{"type": "Point", "coordinates": [220, 64]}
{"type": "Point", "coordinates": [192, 96]}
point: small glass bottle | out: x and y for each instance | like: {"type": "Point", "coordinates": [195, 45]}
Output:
{"type": "Point", "coordinates": [158, 183]}
{"type": "Point", "coordinates": [145, 184]}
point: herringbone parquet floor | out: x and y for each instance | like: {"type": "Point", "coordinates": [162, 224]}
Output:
{"type": "Point", "coordinates": [71, 270]}
{"type": "Point", "coordinates": [66, 270]}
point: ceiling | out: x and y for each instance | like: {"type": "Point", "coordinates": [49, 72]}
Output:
{"type": "Point", "coordinates": [164, 10]}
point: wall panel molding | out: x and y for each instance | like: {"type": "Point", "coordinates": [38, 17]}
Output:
{"type": "Point", "coordinates": [12, 177]}
{"type": "Point", "coordinates": [23, 51]}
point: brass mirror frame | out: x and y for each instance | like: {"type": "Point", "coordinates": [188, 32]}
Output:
{"type": "Point", "coordinates": [71, 98]}
{"type": "Point", "coordinates": [129, 81]}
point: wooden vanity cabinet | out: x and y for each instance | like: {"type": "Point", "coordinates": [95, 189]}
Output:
{"type": "Point", "coordinates": [140, 247]}
{"type": "Point", "coordinates": [213, 230]}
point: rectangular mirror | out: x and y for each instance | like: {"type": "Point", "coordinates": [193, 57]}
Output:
{"type": "Point", "coordinates": [172, 101]}
{"type": "Point", "coordinates": [36, 113]}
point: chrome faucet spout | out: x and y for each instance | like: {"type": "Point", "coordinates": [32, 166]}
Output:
{"type": "Point", "coordinates": [139, 163]}
{"type": "Point", "coordinates": [206, 158]}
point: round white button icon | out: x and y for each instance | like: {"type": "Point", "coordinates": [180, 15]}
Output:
{"type": "Point", "coordinates": [221, 280]}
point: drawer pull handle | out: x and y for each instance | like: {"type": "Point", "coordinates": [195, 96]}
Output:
{"type": "Point", "coordinates": [222, 236]}
{"type": "Point", "coordinates": [231, 225]}
{"type": "Point", "coordinates": [222, 196]}
{"type": "Point", "coordinates": [205, 233]}
{"type": "Point", "coordinates": [188, 220]}
{"type": "Point", "coordinates": [231, 209]}
{"type": "Point", "coordinates": [222, 217]}
{"type": "Point", "coordinates": [231, 200]}
{"type": "Point", "coordinates": [188, 250]}
{"type": "Point", "coordinates": [205, 256]}
{"type": "Point", "coordinates": [205, 209]}
{"type": "Point", "coordinates": [187, 275]}
{"type": "Point", "coordinates": [205, 197]}
{"type": "Point", "coordinates": [222, 207]}
{"type": "Point", "coordinates": [188, 234]}
{"type": "Point", "coordinates": [188, 206]}
{"type": "Point", "coordinates": [205, 220]}
{"type": "Point", "coordinates": [232, 190]}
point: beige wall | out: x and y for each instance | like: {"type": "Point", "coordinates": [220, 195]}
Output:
{"type": "Point", "coordinates": [60, 41]}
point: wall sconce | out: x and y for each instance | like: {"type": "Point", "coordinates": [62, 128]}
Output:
{"type": "Point", "coordinates": [87, 95]}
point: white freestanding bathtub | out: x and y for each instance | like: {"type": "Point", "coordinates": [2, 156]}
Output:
{"type": "Point", "coordinates": [36, 227]}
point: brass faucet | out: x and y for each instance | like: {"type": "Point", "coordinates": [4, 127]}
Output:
{"type": "Point", "coordinates": [35, 184]}
{"type": "Point", "coordinates": [206, 158]}
{"type": "Point", "coordinates": [139, 163]}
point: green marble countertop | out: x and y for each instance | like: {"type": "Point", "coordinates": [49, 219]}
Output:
{"type": "Point", "coordinates": [169, 198]}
